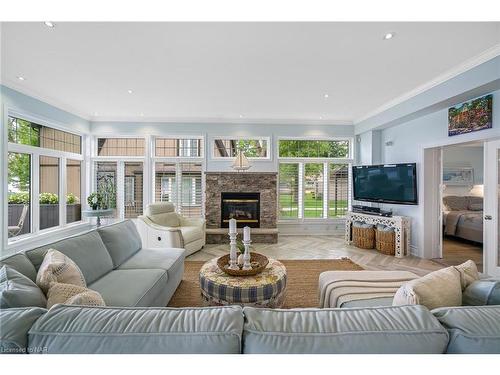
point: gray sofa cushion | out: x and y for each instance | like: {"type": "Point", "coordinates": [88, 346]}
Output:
{"type": "Point", "coordinates": [164, 259]}
{"type": "Point", "coordinates": [139, 330]}
{"type": "Point", "coordinates": [482, 292]}
{"type": "Point", "coordinates": [86, 250]}
{"type": "Point", "coordinates": [131, 287]}
{"type": "Point", "coordinates": [473, 329]}
{"type": "Point", "coordinates": [404, 329]}
{"type": "Point", "coordinates": [17, 290]}
{"type": "Point", "coordinates": [14, 327]}
{"type": "Point", "coordinates": [20, 263]}
{"type": "Point", "coordinates": [122, 240]}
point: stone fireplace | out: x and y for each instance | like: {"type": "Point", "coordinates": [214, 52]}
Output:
{"type": "Point", "coordinates": [244, 207]}
{"type": "Point", "coordinates": [249, 197]}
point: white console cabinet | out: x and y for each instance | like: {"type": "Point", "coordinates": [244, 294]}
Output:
{"type": "Point", "coordinates": [401, 225]}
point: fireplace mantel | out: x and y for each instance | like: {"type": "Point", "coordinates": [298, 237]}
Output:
{"type": "Point", "coordinates": [265, 183]}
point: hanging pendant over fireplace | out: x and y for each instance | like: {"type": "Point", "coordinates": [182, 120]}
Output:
{"type": "Point", "coordinates": [244, 207]}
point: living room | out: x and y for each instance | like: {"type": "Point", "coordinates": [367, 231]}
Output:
{"type": "Point", "coordinates": [238, 188]}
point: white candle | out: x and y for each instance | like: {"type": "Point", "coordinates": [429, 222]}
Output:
{"type": "Point", "coordinates": [246, 234]}
{"type": "Point", "coordinates": [232, 226]}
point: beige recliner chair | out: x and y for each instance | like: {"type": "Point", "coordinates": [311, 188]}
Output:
{"type": "Point", "coordinates": [161, 226]}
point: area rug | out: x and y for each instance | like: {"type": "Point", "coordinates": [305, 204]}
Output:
{"type": "Point", "coordinates": [302, 287]}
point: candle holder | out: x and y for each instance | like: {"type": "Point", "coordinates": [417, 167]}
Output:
{"type": "Point", "coordinates": [246, 256]}
{"type": "Point", "coordinates": [233, 254]}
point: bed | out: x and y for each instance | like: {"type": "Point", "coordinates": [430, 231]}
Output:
{"type": "Point", "coordinates": [463, 217]}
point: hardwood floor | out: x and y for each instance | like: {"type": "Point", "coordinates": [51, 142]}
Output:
{"type": "Point", "coordinates": [326, 247]}
{"type": "Point", "coordinates": [456, 251]}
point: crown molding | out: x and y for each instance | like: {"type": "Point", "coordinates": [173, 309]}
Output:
{"type": "Point", "coordinates": [483, 57]}
{"type": "Point", "coordinates": [46, 99]}
{"type": "Point", "coordinates": [216, 120]}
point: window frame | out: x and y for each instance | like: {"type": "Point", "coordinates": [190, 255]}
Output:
{"type": "Point", "coordinates": [240, 138]}
{"type": "Point", "coordinates": [301, 161]}
{"type": "Point", "coordinates": [35, 153]}
{"type": "Point", "coordinates": [201, 138]}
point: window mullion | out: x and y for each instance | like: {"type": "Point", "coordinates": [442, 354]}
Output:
{"type": "Point", "coordinates": [62, 190]}
{"type": "Point", "coordinates": [325, 190]}
{"type": "Point", "coordinates": [301, 191]}
{"type": "Point", "coordinates": [120, 189]}
{"type": "Point", "coordinates": [35, 192]}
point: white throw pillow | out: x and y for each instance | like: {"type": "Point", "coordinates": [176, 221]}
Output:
{"type": "Point", "coordinates": [69, 294]}
{"type": "Point", "coordinates": [58, 268]}
{"type": "Point", "coordinates": [468, 272]}
{"type": "Point", "coordinates": [440, 288]}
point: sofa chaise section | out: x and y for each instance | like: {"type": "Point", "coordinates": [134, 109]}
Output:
{"type": "Point", "coordinates": [105, 330]}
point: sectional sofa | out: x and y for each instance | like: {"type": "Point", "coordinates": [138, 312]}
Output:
{"type": "Point", "coordinates": [137, 283]}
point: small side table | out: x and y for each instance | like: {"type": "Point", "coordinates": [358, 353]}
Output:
{"type": "Point", "coordinates": [266, 289]}
{"type": "Point", "coordinates": [98, 214]}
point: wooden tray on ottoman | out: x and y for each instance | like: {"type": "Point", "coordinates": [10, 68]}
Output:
{"type": "Point", "coordinates": [258, 261]}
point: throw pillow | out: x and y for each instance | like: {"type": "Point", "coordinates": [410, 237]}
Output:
{"type": "Point", "coordinates": [17, 290]}
{"type": "Point", "coordinates": [70, 294]}
{"type": "Point", "coordinates": [476, 207]}
{"type": "Point", "coordinates": [440, 288]}
{"type": "Point", "coordinates": [58, 268]}
{"type": "Point", "coordinates": [468, 273]}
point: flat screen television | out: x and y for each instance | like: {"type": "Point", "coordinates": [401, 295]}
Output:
{"type": "Point", "coordinates": [388, 183]}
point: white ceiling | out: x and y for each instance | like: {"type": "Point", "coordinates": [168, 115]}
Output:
{"type": "Point", "coordinates": [233, 71]}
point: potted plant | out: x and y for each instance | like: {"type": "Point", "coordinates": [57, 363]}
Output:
{"type": "Point", "coordinates": [95, 201]}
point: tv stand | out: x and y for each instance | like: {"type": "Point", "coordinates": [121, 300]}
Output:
{"type": "Point", "coordinates": [401, 225]}
{"type": "Point", "coordinates": [371, 210]}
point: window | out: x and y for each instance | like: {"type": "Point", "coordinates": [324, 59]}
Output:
{"type": "Point", "coordinates": [180, 184]}
{"type": "Point", "coordinates": [311, 188]}
{"type": "Point", "coordinates": [19, 194]}
{"type": "Point", "coordinates": [105, 182]}
{"type": "Point", "coordinates": [252, 148]}
{"type": "Point", "coordinates": [133, 189]}
{"type": "Point", "coordinates": [27, 133]}
{"type": "Point", "coordinates": [43, 163]}
{"type": "Point", "coordinates": [49, 192]}
{"type": "Point", "coordinates": [313, 149]}
{"type": "Point", "coordinates": [288, 190]}
{"type": "Point", "coordinates": [73, 190]}
{"type": "Point", "coordinates": [120, 147]}
{"type": "Point", "coordinates": [179, 147]}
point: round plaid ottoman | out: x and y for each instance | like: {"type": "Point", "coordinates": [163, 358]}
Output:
{"type": "Point", "coordinates": [267, 289]}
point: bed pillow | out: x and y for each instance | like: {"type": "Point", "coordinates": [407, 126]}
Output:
{"type": "Point", "coordinates": [58, 268]}
{"type": "Point", "coordinates": [442, 288]}
{"type": "Point", "coordinates": [476, 207]}
{"type": "Point", "coordinates": [455, 203]}
{"type": "Point", "coordinates": [69, 294]}
{"type": "Point", "coordinates": [17, 290]}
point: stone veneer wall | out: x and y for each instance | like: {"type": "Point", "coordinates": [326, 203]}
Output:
{"type": "Point", "coordinates": [264, 183]}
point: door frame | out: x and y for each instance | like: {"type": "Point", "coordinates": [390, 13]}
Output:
{"type": "Point", "coordinates": [491, 207]}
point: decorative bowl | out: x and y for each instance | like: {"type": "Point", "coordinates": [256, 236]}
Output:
{"type": "Point", "coordinates": [258, 262]}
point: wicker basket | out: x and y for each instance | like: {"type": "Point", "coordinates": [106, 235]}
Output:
{"type": "Point", "coordinates": [259, 263]}
{"type": "Point", "coordinates": [363, 237]}
{"type": "Point", "coordinates": [385, 242]}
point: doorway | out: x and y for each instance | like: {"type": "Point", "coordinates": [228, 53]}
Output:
{"type": "Point", "coordinates": [462, 204]}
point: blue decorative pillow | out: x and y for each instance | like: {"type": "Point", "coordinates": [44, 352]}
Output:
{"type": "Point", "coordinates": [17, 290]}
{"type": "Point", "coordinates": [482, 292]}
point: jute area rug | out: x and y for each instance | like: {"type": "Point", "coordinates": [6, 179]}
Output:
{"type": "Point", "coordinates": [302, 286]}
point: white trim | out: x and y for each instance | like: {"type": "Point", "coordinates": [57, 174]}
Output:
{"type": "Point", "coordinates": [491, 207]}
{"type": "Point", "coordinates": [240, 138]}
{"type": "Point", "coordinates": [483, 57]}
{"type": "Point", "coordinates": [179, 137]}
{"type": "Point", "coordinates": [350, 156]}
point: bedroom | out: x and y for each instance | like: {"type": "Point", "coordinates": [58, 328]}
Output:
{"type": "Point", "coordinates": [462, 203]}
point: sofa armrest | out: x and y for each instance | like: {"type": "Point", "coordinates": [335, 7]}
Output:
{"type": "Point", "coordinates": [163, 330]}
{"type": "Point", "coordinates": [15, 324]}
{"type": "Point", "coordinates": [172, 236]}
{"type": "Point", "coordinates": [192, 222]}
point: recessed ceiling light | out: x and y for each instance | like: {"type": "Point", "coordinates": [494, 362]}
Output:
{"type": "Point", "coordinates": [321, 117]}
{"type": "Point", "coordinates": [49, 24]}
{"type": "Point", "coordinates": [142, 114]}
{"type": "Point", "coordinates": [130, 91]}
{"type": "Point", "coordinates": [21, 78]}
{"type": "Point", "coordinates": [389, 36]}
{"type": "Point", "coordinates": [241, 116]}
{"type": "Point", "coordinates": [326, 96]}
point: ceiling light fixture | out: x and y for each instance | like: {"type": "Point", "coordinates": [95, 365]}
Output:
{"type": "Point", "coordinates": [241, 116]}
{"type": "Point", "coordinates": [49, 24]}
{"type": "Point", "coordinates": [142, 114]}
{"type": "Point", "coordinates": [326, 96]}
{"type": "Point", "coordinates": [21, 78]}
{"type": "Point", "coordinates": [129, 91]}
{"type": "Point", "coordinates": [389, 36]}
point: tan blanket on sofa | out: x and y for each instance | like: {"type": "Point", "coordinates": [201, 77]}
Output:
{"type": "Point", "coordinates": [339, 287]}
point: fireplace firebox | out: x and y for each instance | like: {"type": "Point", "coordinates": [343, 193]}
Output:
{"type": "Point", "coordinates": [244, 207]}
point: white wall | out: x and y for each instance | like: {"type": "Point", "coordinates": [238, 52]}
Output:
{"type": "Point", "coordinates": [469, 157]}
